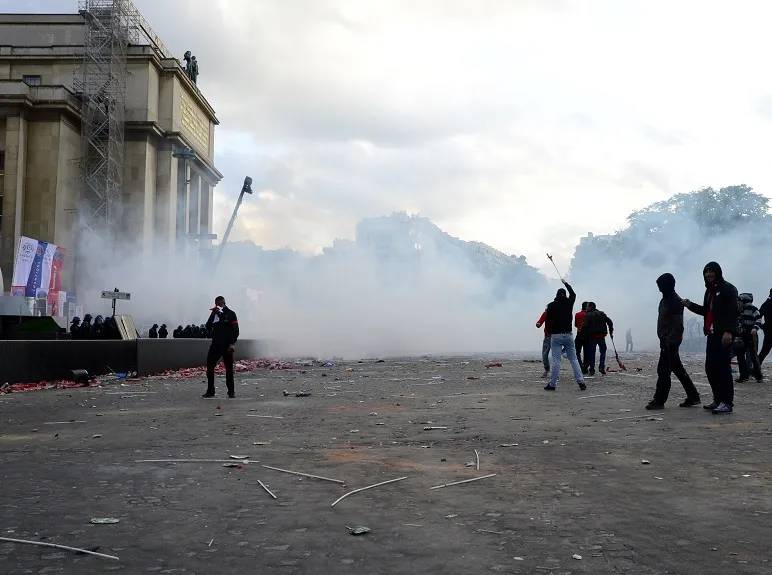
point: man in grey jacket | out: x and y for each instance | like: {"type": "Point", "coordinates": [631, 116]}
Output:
{"type": "Point", "coordinates": [670, 330]}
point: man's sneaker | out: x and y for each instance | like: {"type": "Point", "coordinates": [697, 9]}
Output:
{"type": "Point", "coordinates": [713, 405]}
{"type": "Point", "coordinates": [231, 394]}
{"type": "Point", "coordinates": [759, 379]}
{"type": "Point", "coordinates": [654, 405]}
{"type": "Point", "coordinates": [208, 395]}
{"type": "Point", "coordinates": [722, 409]}
{"type": "Point", "coordinates": [545, 375]}
{"type": "Point", "coordinates": [549, 388]}
{"type": "Point", "coordinates": [583, 387]}
{"type": "Point", "coordinates": [603, 371]}
{"type": "Point", "coordinates": [690, 402]}
{"type": "Point", "coordinates": [741, 379]}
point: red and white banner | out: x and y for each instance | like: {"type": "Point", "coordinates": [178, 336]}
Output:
{"type": "Point", "coordinates": [55, 307]}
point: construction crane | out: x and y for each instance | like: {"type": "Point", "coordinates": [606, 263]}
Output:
{"type": "Point", "coordinates": [245, 189]}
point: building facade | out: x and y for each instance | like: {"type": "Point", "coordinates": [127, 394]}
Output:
{"type": "Point", "coordinates": [167, 201]}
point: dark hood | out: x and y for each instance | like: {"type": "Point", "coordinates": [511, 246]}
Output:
{"type": "Point", "coordinates": [770, 294]}
{"type": "Point", "coordinates": [561, 294]}
{"type": "Point", "coordinates": [666, 284]}
{"type": "Point", "coordinates": [716, 268]}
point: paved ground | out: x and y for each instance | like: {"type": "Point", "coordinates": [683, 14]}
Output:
{"type": "Point", "coordinates": [570, 480]}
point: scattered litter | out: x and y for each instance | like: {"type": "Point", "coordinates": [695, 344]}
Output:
{"type": "Point", "coordinates": [477, 455]}
{"type": "Point", "coordinates": [648, 417]}
{"type": "Point", "coordinates": [746, 475]}
{"type": "Point", "coordinates": [473, 378]}
{"type": "Point", "coordinates": [364, 488]}
{"type": "Point", "coordinates": [469, 464]}
{"type": "Point", "coordinates": [645, 462]}
{"type": "Point", "coordinates": [509, 445]}
{"type": "Point", "coordinates": [266, 489]}
{"type": "Point", "coordinates": [601, 395]}
{"type": "Point", "coordinates": [625, 410]}
{"type": "Point", "coordinates": [104, 520]}
{"type": "Point", "coordinates": [373, 413]}
{"type": "Point", "coordinates": [231, 465]}
{"type": "Point", "coordinates": [301, 393]}
{"type": "Point", "coordinates": [265, 416]}
{"type": "Point", "coordinates": [490, 365]}
{"type": "Point", "coordinates": [464, 481]}
{"type": "Point", "coordinates": [451, 516]}
{"type": "Point", "coordinates": [577, 557]}
{"type": "Point", "coordinates": [239, 456]}
{"type": "Point", "coordinates": [361, 530]}
{"type": "Point", "coordinates": [96, 436]}
{"type": "Point", "coordinates": [546, 441]}
{"type": "Point", "coordinates": [354, 431]}
{"type": "Point", "coordinates": [62, 422]}
{"type": "Point", "coordinates": [188, 461]}
{"type": "Point", "coordinates": [328, 364]}
{"type": "Point", "coordinates": [489, 531]}
{"type": "Point", "coordinates": [305, 474]}
{"type": "Point", "coordinates": [433, 428]}
{"type": "Point", "coordinates": [659, 478]}
{"type": "Point", "coordinates": [261, 443]}
{"type": "Point", "coordinates": [65, 547]}
{"type": "Point", "coordinates": [210, 543]}
{"type": "Point", "coordinates": [518, 558]}
{"type": "Point", "coordinates": [412, 524]}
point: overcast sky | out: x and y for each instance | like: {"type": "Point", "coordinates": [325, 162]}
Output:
{"type": "Point", "coordinates": [521, 123]}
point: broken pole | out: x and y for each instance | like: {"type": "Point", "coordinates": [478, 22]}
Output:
{"type": "Point", "coordinates": [342, 497]}
{"type": "Point", "coordinates": [464, 481]}
{"type": "Point", "coordinates": [305, 474]}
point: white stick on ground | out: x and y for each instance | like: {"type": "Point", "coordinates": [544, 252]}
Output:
{"type": "Point", "coordinates": [477, 455]}
{"type": "Point", "coordinates": [464, 481]}
{"type": "Point", "coordinates": [65, 547]}
{"type": "Point", "coordinates": [342, 497]}
{"type": "Point", "coordinates": [305, 474]}
{"type": "Point", "coordinates": [266, 489]}
{"type": "Point", "coordinates": [62, 422]}
{"type": "Point", "coordinates": [192, 461]}
{"type": "Point", "coordinates": [601, 395]}
{"type": "Point", "coordinates": [266, 416]}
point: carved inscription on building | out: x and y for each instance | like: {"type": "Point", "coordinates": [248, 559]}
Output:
{"type": "Point", "coordinates": [194, 122]}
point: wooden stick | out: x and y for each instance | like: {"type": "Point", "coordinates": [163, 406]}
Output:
{"type": "Point", "coordinates": [305, 474]}
{"type": "Point", "coordinates": [602, 395]}
{"type": "Point", "coordinates": [464, 481]}
{"type": "Point", "coordinates": [342, 497]}
{"type": "Point", "coordinates": [477, 455]}
{"type": "Point", "coordinates": [267, 490]}
{"type": "Point", "coordinates": [192, 461]}
{"type": "Point", "coordinates": [65, 547]}
{"type": "Point", "coordinates": [266, 416]}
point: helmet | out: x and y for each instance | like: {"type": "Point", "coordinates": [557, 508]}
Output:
{"type": "Point", "coordinates": [99, 319]}
{"type": "Point", "coordinates": [76, 319]}
{"type": "Point", "coordinates": [87, 317]}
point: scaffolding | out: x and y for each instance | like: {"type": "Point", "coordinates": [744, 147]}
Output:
{"type": "Point", "coordinates": [101, 84]}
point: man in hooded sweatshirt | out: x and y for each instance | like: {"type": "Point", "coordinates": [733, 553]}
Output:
{"type": "Point", "coordinates": [750, 323]}
{"type": "Point", "coordinates": [560, 313]}
{"type": "Point", "coordinates": [766, 313]}
{"type": "Point", "coordinates": [670, 331]}
{"type": "Point", "coordinates": [719, 308]}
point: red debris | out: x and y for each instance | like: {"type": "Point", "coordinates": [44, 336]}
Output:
{"type": "Point", "coordinates": [490, 365]}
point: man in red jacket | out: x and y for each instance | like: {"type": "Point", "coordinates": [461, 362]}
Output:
{"type": "Point", "coordinates": [545, 346]}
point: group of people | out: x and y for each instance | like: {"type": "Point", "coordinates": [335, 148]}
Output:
{"type": "Point", "coordinates": [94, 328]}
{"type": "Point", "coordinates": [187, 332]}
{"type": "Point", "coordinates": [730, 324]}
{"type": "Point", "coordinates": [592, 327]}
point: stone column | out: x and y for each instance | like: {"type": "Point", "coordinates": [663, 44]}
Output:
{"type": "Point", "coordinates": [194, 203]}
{"type": "Point", "coordinates": [167, 190]}
{"type": "Point", "coordinates": [13, 193]}
{"type": "Point", "coordinates": [205, 221]}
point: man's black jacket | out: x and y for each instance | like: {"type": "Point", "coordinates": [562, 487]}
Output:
{"type": "Point", "coordinates": [725, 312]}
{"type": "Point", "coordinates": [560, 311]}
{"type": "Point", "coordinates": [224, 326]}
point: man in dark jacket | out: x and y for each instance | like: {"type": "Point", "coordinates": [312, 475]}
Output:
{"type": "Point", "coordinates": [595, 327]}
{"type": "Point", "coordinates": [560, 314]}
{"type": "Point", "coordinates": [719, 308]}
{"type": "Point", "coordinates": [766, 313]}
{"type": "Point", "coordinates": [670, 331]}
{"type": "Point", "coordinates": [750, 323]}
{"type": "Point", "coordinates": [225, 331]}
{"type": "Point", "coordinates": [163, 333]}
{"type": "Point", "coordinates": [153, 332]}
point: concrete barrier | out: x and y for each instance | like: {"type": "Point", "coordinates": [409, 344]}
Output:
{"type": "Point", "coordinates": [31, 361]}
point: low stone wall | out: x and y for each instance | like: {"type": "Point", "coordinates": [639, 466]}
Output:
{"type": "Point", "coordinates": [32, 361]}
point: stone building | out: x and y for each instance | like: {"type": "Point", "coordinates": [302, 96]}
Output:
{"type": "Point", "coordinates": [41, 148]}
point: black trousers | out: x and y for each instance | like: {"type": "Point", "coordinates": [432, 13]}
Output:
{"type": "Point", "coordinates": [718, 368]}
{"type": "Point", "coordinates": [766, 345]}
{"type": "Point", "coordinates": [742, 358]}
{"type": "Point", "coordinates": [217, 351]}
{"type": "Point", "coordinates": [670, 362]}
{"type": "Point", "coordinates": [579, 345]}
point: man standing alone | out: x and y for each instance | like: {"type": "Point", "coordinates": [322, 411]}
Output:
{"type": "Point", "coordinates": [629, 340]}
{"type": "Point", "coordinates": [559, 316]}
{"type": "Point", "coordinates": [670, 331]}
{"type": "Point", "coordinates": [719, 308]}
{"type": "Point", "coordinates": [225, 331]}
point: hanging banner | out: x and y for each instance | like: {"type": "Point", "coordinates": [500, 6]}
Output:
{"type": "Point", "coordinates": [45, 274]}
{"type": "Point", "coordinates": [55, 284]}
{"type": "Point", "coordinates": [36, 272]}
{"type": "Point", "coordinates": [23, 266]}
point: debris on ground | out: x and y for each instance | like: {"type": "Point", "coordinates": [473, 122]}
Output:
{"type": "Point", "coordinates": [236, 465]}
{"type": "Point", "coordinates": [301, 393]}
{"type": "Point", "coordinates": [64, 547]}
{"type": "Point", "coordinates": [490, 365]}
{"type": "Point", "coordinates": [577, 557]}
{"type": "Point", "coordinates": [464, 481]}
{"type": "Point", "coordinates": [361, 530]}
{"type": "Point", "coordinates": [305, 474]}
{"type": "Point", "coordinates": [342, 497]}
{"type": "Point", "coordinates": [266, 489]}
{"type": "Point", "coordinates": [104, 520]}
{"type": "Point", "coordinates": [645, 462]}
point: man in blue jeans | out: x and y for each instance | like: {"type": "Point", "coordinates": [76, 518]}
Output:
{"type": "Point", "coordinates": [560, 316]}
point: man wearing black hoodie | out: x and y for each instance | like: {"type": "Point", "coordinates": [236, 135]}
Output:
{"type": "Point", "coordinates": [766, 313]}
{"type": "Point", "coordinates": [670, 331]}
{"type": "Point", "coordinates": [560, 314]}
{"type": "Point", "coordinates": [719, 308]}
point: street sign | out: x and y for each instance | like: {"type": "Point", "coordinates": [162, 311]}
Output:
{"type": "Point", "coordinates": [116, 295]}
